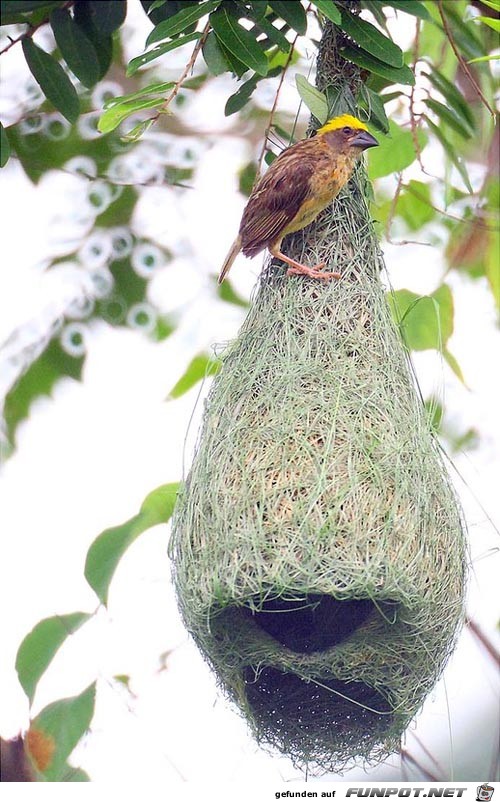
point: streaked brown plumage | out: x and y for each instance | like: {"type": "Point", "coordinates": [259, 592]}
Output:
{"type": "Point", "coordinates": [302, 181]}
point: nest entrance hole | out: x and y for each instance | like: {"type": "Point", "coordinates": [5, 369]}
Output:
{"type": "Point", "coordinates": [314, 623]}
{"type": "Point", "coordinates": [320, 706]}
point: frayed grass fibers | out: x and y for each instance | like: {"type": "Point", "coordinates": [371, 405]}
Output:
{"type": "Point", "coordinates": [318, 546]}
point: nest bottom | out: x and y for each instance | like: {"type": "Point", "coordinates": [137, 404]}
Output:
{"type": "Point", "coordinates": [283, 660]}
{"type": "Point", "coordinates": [297, 715]}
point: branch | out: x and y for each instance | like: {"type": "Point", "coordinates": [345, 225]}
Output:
{"type": "Point", "coordinates": [406, 756]}
{"type": "Point", "coordinates": [187, 70]}
{"type": "Point", "coordinates": [413, 122]}
{"type": "Point", "coordinates": [32, 29]}
{"type": "Point", "coordinates": [273, 110]}
{"type": "Point", "coordinates": [462, 61]}
{"type": "Point", "coordinates": [475, 221]}
{"type": "Point", "coordinates": [481, 637]}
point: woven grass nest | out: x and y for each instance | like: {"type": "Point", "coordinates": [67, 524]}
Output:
{"type": "Point", "coordinates": [319, 553]}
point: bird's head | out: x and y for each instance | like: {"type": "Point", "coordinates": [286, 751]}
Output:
{"type": "Point", "coordinates": [347, 134]}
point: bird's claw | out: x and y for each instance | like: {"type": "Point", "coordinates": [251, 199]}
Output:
{"type": "Point", "coordinates": [312, 272]}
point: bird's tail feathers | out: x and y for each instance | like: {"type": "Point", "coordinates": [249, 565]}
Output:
{"type": "Point", "coordinates": [228, 261]}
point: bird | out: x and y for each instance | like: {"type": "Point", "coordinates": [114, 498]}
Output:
{"type": "Point", "coordinates": [301, 182]}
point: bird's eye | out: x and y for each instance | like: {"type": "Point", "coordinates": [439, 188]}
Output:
{"type": "Point", "coordinates": [347, 130]}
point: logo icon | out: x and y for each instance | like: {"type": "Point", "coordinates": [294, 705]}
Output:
{"type": "Point", "coordinates": [484, 793]}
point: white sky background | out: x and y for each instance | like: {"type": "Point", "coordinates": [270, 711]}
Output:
{"type": "Point", "coordinates": [88, 456]}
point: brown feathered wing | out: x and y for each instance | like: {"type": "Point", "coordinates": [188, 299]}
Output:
{"type": "Point", "coordinates": [276, 200]}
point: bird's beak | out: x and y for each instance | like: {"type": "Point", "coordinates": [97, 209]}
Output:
{"type": "Point", "coordinates": [364, 140]}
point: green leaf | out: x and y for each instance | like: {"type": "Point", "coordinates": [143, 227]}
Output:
{"type": "Point", "coordinates": [246, 181]}
{"type": "Point", "coordinates": [274, 35]}
{"type": "Point", "coordinates": [397, 75]}
{"type": "Point", "coordinates": [109, 547]}
{"type": "Point", "coordinates": [76, 49]}
{"type": "Point", "coordinates": [377, 9]}
{"type": "Point", "coordinates": [425, 321]}
{"type": "Point", "coordinates": [494, 4]}
{"type": "Point", "coordinates": [371, 40]}
{"type": "Point", "coordinates": [112, 117]}
{"type": "Point", "coordinates": [415, 205]}
{"type": "Point", "coordinates": [159, 50]}
{"type": "Point", "coordinates": [152, 89]}
{"type": "Point", "coordinates": [449, 117]}
{"type": "Point", "coordinates": [329, 9]}
{"type": "Point", "coordinates": [39, 647]}
{"type": "Point", "coordinates": [180, 21]}
{"type": "Point", "coordinates": [69, 774]}
{"type": "Point", "coordinates": [56, 731]}
{"type": "Point", "coordinates": [374, 105]}
{"type": "Point", "coordinates": [466, 38]}
{"type": "Point", "coordinates": [240, 98]}
{"type": "Point", "coordinates": [199, 368]}
{"type": "Point", "coordinates": [453, 364]}
{"type": "Point", "coordinates": [293, 14]}
{"type": "Point", "coordinates": [161, 9]}
{"type": "Point", "coordinates": [39, 379]}
{"type": "Point", "coordinates": [108, 16]}
{"type": "Point", "coordinates": [494, 57]}
{"type": "Point", "coordinates": [455, 99]}
{"type": "Point", "coordinates": [259, 8]}
{"type": "Point", "coordinates": [235, 65]}
{"type": "Point", "coordinates": [491, 23]}
{"type": "Point", "coordinates": [226, 293]}
{"type": "Point", "coordinates": [103, 43]}
{"type": "Point", "coordinates": [23, 6]}
{"type": "Point", "coordinates": [451, 152]}
{"type": "Point", "coordinates": [394, 152]}
{"type": "Point", "coordinates": [238, 41]}
{"type": "Point", "coordinates": [491, 266]}
{"type": "Point", "coordinates": [52, 80]}
{"type": "Point", "coordinates": [214, 56]}
{"type": "Point", "coordinates": [119, 213]}
{"type": "Point", "coordinates": [4, 146]}
{"type": "Point", "coordinates": [413, 7]}
{"type": "Point", "coordinates": [315, 100]}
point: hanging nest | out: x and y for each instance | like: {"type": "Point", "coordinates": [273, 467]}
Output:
{"type": "Point", "coordinates": [319, 553]}
{"type": "Point", "coordinates": [318, 546]}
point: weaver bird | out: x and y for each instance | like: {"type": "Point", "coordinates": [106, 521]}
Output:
{"type": "Point", "coordinates": [300, 183]}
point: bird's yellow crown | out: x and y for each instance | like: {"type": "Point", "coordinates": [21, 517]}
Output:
{"type": "Point", "coordinates": [341, 122]}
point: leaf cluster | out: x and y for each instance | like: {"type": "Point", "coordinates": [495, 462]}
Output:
{"type": "Point", "coordinates": [234, 36]}
{"type": "Point", "coordinates": [56, 730]}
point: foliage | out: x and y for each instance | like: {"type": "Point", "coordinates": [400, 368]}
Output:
{"type": "Point", "coordinates": [106, 551]}
{"type": "Point", "coordinates": [56, 730]}
{"type": "Point", "coordinates": [119, 140]}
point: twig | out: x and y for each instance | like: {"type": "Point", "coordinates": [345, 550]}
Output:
{"type": "Point", "coordinates": [273, 110]}
{"type": "Point", "coordinates": [413, 122]}
{"type": "Point", "coordinates": [477, 223]}
{"type": "Point", "coordinates": [428, 753]}
{"type": "Point", "coordinates": [481, 637]}
{"type": "Point", "coordinates": [406, 756]}
{"type": "Point", "coordinates": [462, 61]}
{"type": "Point", "coordinates": [32, 29]}
{"type": "Point", "coordinates": [392, 210]}
{"type": "Point", "coordinates": [187, 70]}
